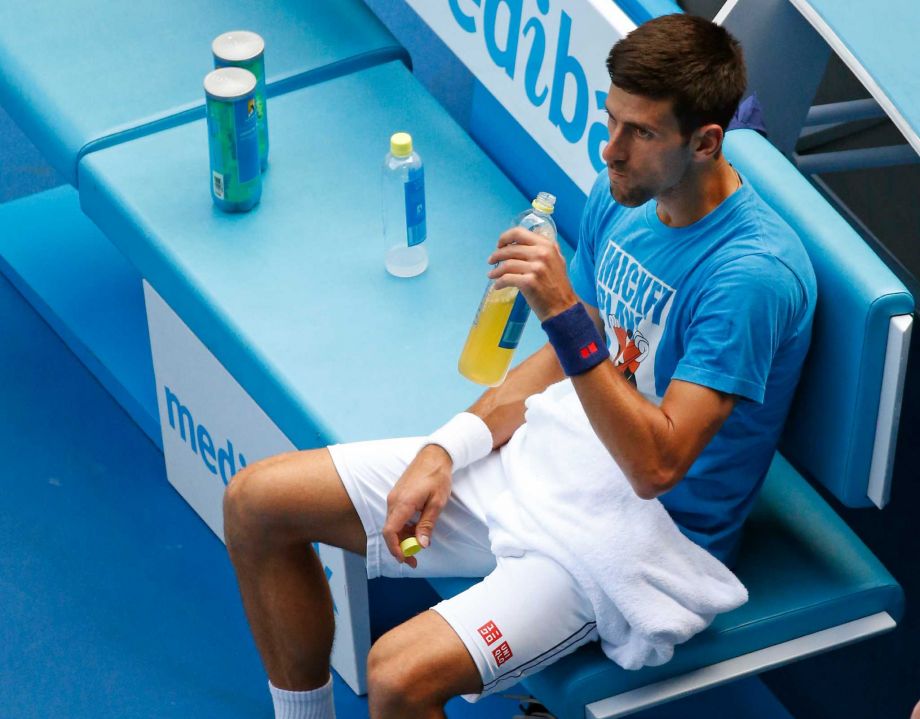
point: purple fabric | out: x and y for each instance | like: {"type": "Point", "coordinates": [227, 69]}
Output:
{"type": "Point", "coordinates": [749, 116]}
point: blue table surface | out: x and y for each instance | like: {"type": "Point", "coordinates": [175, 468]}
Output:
{"type": "Point", "coordinates": [293, 297]}
{"type": "Point", "coordinates": [78, 71]}
{"type": "Point", "coordinates": [882, 37]}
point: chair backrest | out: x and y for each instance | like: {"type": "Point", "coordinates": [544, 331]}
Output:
{"type": "Point", "coordinates": [843, 424]}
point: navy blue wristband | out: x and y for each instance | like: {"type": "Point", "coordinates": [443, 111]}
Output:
{"type": "Point", "coordinates": [575, 338]}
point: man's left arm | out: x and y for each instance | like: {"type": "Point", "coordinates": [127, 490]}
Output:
{"type": "Point", "coordinates": [653, 445]}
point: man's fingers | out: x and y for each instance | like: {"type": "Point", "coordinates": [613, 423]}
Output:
{"type": "Point", "coordinates": [520, 236]}
{"type": "Point", "coordinates": [523, 282]}
{"type": "Point", "coordinates": [515, 267]}
{"type": "Point", "coordinates": [516, 252]}
{"type": "Point", "coordinates": [397, 518]}
{"type": "Point", "coordinates": [426, 522]}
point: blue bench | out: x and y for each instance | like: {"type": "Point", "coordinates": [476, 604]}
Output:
{"type": "Point", "coordinates": [80, 76]}
{"type": "Point", "coordinates": [292, 298]}
{"type": "Point", "coordinates": [274, 292]}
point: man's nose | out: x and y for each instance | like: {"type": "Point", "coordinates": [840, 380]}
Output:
{"type": "Point", "coordinates": [615, 150]}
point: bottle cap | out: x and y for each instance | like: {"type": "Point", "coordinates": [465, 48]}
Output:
{"type": "Point", "coordinates": [401, 144]}
{"type": "Point", "coordinates": [544, 202]}
{"type": "Point", "coordinates": [410, 546]}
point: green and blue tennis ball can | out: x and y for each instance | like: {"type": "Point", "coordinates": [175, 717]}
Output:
{"type": "Point", "coordinates": [245, 49]}
{"type": "Point", "coordinates": [233, 139]}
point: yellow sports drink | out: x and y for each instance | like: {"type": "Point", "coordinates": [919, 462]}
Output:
{"type": "Point", "coordinates": [486, 358]}
{"type": "Point", "coordinates": [502, 314]}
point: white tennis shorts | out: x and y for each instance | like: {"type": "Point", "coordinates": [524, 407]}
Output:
{"type": "Point", "coordinates": [527, 612]}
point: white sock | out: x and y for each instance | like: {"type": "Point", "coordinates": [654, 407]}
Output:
{"type": "Point", "coordinates": [313, 704]}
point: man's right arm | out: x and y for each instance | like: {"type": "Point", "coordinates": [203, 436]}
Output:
{"type": "Point", "coordinates": [502, 407]}
{"type": "Point", "coordinates": [425, 485]}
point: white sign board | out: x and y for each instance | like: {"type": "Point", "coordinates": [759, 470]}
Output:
{"type": "Point", "coordinates": [211, 429]}
{"type": "Point", "coordinates": [544, 61]}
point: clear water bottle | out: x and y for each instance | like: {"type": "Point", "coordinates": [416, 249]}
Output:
{"type": "Point", "coordinates": [502, 314]}
{"type": "Point", "coordinates": [404, 226]}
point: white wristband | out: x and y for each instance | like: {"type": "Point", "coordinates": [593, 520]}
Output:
{"type": "Point", "coordinates": [466, 438]}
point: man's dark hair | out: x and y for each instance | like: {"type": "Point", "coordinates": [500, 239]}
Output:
{"type": "Point", "coordinates": [694, 63]}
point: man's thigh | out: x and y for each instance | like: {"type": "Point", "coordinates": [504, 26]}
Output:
{"type": "Point", "coordinates": [293, 497]}
{"type": "Point", "coordinates": [524, 616]}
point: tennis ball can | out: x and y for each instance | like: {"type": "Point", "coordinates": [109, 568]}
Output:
{"type": "Point", "coordinates": [245, 49]}
{"type": "Point", "coordinates": [236, 178]}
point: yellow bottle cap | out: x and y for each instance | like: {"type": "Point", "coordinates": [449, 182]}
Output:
{"type": "Point", "coordinates": [544, 202]}
{"type": "Point", "coordinates": [401, 144]}
{"type": "Point", "coordinates": [410, 546]}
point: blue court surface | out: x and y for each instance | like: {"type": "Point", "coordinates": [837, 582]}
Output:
{"type": "Point", "coordinates": [117, 600]}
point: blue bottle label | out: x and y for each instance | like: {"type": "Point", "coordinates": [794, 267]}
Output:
{"type": "Point", "coordinates": [514, 327]}
{"type": "Point", "coordinates": [416, 229]}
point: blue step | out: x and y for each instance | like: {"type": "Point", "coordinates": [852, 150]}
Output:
{"type": "Point", "coordinates": [84, 288]}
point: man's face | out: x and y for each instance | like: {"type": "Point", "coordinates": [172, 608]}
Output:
{"type": "Point", "coordinates": [646, 155]}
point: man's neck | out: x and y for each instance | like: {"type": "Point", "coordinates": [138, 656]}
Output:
{"type": "Point", "coordinates": [698, 194]}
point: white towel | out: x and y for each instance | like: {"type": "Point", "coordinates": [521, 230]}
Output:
{"type": "Point", "coordinates": [651, 587]}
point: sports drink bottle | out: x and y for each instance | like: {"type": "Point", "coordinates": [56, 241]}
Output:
{"type": "Point", "coordinates": [503, 313]}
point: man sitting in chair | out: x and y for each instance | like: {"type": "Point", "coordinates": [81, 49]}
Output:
{"type": "Point", "coordinates": [674, 246]}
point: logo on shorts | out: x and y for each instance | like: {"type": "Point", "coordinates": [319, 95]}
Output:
{"type": "Point", "coordinates": [502, 653]}
{"type": "Point", "coordinates": [489, 632]}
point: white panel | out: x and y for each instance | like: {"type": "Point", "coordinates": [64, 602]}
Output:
{"type": "Point", "coordinates": [546, 85]}
{"type": "Point", "coordinates": [707, 677]}
{"type": "Point", "coordinates": [851, 61]}
{"type": "Point", "coordinates": [724, 12]}
{"type": "Point", "coordinates": [211, 428]}
{"type": "Point", "coordinates": [889, 409]}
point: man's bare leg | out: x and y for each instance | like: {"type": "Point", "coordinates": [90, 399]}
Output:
{"type": "Point", "coordinates": [416, 667]}
{"type": "Point", "coordinates": [273, 511]}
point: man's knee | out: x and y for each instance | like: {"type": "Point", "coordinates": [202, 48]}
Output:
{"type": "Point", "coordinates": [241, 498]}
{"type": "Point", "coordinates": [287, 500]}
{"type": "Point", "coordinates": [398, 685]}
{"type": "Point", "coordinates": [408, 676]}
{"type": "Point", "coordinates": [253, 505]}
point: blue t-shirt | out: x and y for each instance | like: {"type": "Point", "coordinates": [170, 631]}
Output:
{"type": "Point", "coordinates": [726, 302]}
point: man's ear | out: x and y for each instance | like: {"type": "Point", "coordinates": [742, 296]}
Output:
{"type": "Point", "coordinates": [707, 141]}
